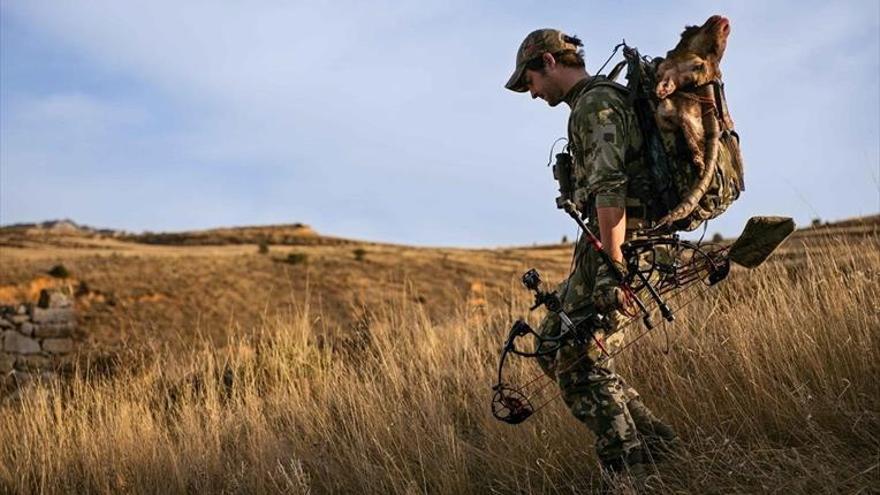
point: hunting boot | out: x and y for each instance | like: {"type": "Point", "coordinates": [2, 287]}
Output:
{"type": "Point", "coordinates": [658, 437]}
{"type": "Point", "coordinates": [631, 470]}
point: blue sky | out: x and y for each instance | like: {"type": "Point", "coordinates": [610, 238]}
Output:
{"type": "Point", "coordinates": [388, 120]}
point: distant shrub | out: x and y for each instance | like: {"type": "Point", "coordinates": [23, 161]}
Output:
{"type": "Point", "coordinates": [717, 237]}
{"type": "Point", "coordinates": [263, 247]}
{"type": "Point", "coordinates": [82, 289]}
{"type": "Point", "coordinates": [360, 254]}
{"type": "Point", "coordinates": [59, 271]}
{"type": "Point", "coordinates": [296, 258]}
{"type": "Point", "coordinates": [817, 222]}
{"type": "Point", "coordinates": [565, 239]}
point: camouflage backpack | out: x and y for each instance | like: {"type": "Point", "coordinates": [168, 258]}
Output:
{"type": "Point", "coordinates": [671, 171]}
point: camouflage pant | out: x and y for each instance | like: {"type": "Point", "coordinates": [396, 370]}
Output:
{"type": "Point", "coordinates": [594, 394]}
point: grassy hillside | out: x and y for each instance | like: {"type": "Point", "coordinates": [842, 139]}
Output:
{"type": "Point", "coordinates": [140, 294]}
{"type": "Point", "coordinates": [373, 375]}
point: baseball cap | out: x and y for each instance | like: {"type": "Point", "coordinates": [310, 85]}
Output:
{"type": "Point", "coordinates": [536, 44]}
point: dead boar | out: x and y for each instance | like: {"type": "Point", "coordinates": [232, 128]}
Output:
{"type": "Point", "coordinates": [687, 101]}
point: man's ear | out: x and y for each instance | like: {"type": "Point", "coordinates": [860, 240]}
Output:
{"type": "Point", "coordinates": [549, 61]}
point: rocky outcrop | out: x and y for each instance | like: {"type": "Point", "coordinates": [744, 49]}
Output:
{"type": "Point", "coordinates": [36, 341]}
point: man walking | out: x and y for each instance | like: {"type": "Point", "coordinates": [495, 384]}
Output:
{"type": "Point", "coordinates": [605, 144]}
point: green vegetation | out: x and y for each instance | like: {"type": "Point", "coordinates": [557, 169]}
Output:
{"type": "Point", "coordinates": [263, 247]}
{"type": "Point", "coordinates": [296, 258]}
{"type": "Point", "coordinates": [59, 271]}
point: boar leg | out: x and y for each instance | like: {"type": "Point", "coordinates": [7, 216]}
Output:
{"type": "Point", "coordinates": [703, 141]}
{"type": "Point", "coordinates": [667, 115]}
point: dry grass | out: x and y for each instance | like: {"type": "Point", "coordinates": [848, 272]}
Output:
{"type": "Point", "coordinates": [292, 234]}
{"type": "Point", "coordinates": [142, 295]}
{"type": "Point", "coordinates": [771, 381]}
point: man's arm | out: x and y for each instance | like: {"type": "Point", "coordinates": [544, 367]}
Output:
{"type": "Point", "coordinates": [612, 230]}
{"type": "Point", "coordinates": [599, 126]}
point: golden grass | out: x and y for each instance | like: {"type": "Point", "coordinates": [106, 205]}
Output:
{"type": "Point", "coordinates": [771, 380]}
{"type": "Point", "coordinates": [141, 295]}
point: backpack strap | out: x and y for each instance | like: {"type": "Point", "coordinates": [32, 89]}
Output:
{"type": "Point", "coordinates": [600, 81]}
{"type": "Point", "coordinates": [612, 76]}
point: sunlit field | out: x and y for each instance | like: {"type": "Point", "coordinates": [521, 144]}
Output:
{"type": "Point", "coordinates": [771, 379]}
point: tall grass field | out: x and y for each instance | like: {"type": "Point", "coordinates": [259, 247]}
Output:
{"type": "Point", "coordinates": [772, 380]}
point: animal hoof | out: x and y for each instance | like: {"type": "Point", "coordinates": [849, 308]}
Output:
{"type": "Point", "coordinates": [665, 88]}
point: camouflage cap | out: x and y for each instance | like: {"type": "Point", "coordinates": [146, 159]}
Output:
{"type": "Point", "coordinates": [536, 44]}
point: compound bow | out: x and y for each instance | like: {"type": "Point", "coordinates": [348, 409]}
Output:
{"type": "Point", "coordinates": [658, 269]}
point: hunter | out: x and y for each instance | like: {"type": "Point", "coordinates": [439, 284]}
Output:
{"type": "Point", "coordinates": [604, 142]}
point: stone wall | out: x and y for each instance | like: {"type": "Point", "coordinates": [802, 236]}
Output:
{"type": "Point", "coordinates": [36, 340]}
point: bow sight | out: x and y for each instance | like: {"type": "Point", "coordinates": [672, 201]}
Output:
{"type": "Point", "coordinates": [658, 269]}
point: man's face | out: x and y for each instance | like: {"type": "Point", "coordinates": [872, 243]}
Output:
{"type": "Point", "coordinates": [542, 84]}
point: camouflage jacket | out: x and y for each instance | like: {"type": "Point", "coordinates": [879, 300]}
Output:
{"type": "Point", "coordinates": [605, 142]}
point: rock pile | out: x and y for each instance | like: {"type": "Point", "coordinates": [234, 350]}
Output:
{"type": "Point", "coordinates": [36, 340]}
